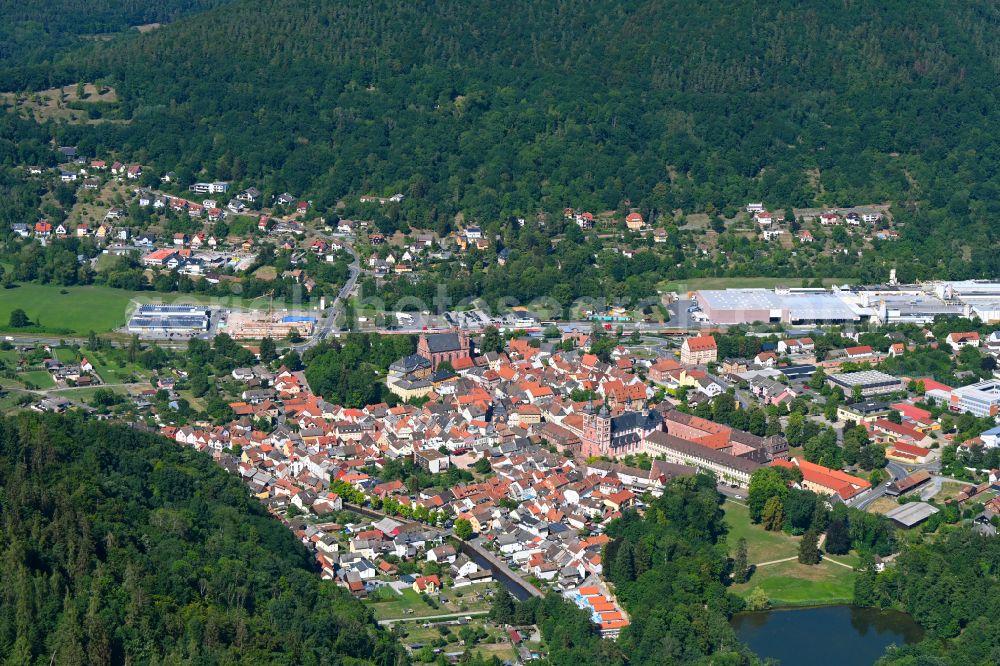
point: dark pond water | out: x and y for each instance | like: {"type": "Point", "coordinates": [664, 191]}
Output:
{"type": "Point", "coordinates": [827, 636]}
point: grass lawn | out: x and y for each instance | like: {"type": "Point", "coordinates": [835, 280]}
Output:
{"type": "Point", "coordinates": [496, 644]}
{"type": "Point", "coordinates": [79, 310]}
{"type": "Point", "coordinates": [39, 378]}
{"type": "Point", "coordinates": [794, 584]}
{"type": "Point", "coordinates": [86, 394]}
{"type": "Point", "coordinates": [695, 284]}
{"type": "Point", "coordinates": [9, 400]}
{"type": "Point", "coordinates": [195, 403]}
{"type": "Point", "coordinates": [787, 583]}
{"type": "Point", "coordinates": [949, 490]}
{"type": "Point", "coordinates": [762, 546]}
{"type": "Point", "coordinates": [104, 262]}
{"type": "Point", "coordinates": [109, 371]}
{"type": "Point", "coordinates": [883, 505]}
{"type": "Point", "coordinates": [395, 606]}
{"type": "Point", "coordinates": [87, 308]}
{"type": "Point", "coordinates": [65, 354]}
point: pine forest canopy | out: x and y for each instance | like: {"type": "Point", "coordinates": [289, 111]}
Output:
{"type": "Point", "coordinates": [121, 547]}
{"type": "Point", "coordinates": [32, 31]}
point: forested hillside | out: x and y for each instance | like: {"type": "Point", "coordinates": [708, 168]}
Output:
{"type": "Point", "coordinates": [119, 547]}
{"type": "Point", "coordinates": [33, 31]}
{"type": "Point", "coordinates": [499, 108]}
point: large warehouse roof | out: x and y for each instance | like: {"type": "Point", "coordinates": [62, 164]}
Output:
{"type": "Point", "coordinates": [864, 378]}
{"type": "Point", "coordinates": [790, 306]}
{"type": "Point", "coordinates": [818, 307]}
{"type": "Point", "coordinates": [912, 513]}
{"type": "Point", "coordinates": [168, 310]}
{"type": "Point", "coordinates": [740, 299]}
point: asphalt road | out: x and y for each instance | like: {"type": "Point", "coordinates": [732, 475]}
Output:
{"type": "Point", "coordinates": [328, 323]}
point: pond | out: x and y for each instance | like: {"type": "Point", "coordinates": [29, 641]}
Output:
{"type": "Point", "coordinates": [825, 636]}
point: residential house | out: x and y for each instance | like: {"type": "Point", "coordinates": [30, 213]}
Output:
{"type": "Point", "coordinates": [959, 340]}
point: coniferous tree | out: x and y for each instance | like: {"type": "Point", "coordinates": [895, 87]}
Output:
{"type": "Point", "coordinates": [809, 548]}
{"type": "Point", "coordinates": [741, 565]}
{"type": "Point", "coordinates": [502, 610]}
{"type": "Point", "coordinates": [773, 518]}
{"type": "Point", "coordinates": [838, 538]}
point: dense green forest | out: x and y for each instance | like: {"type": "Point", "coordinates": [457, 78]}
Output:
{"type": "Point", "coordinates": [950, 586]}
{"type": "Point", "coordinates": [501, 109]}
{"type": "Point", "coordinates": [669, 569]}
{"type": "Point", "coordinates": [122, 548]}
{"type": "Point", "coordinates": [33, 31]}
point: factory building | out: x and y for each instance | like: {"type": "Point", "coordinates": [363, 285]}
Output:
{"type": "Point", "coordinates": [870, 382]}
{"type": "Point", "coordinates": [800, 307]}
{"type": "Point", "coordinates": [161, 320]}
{"type": "Point", "coordinates": [885, 304]}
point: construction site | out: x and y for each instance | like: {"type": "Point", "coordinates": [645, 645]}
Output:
{"type": "Point", "coordinates": [259, 325]}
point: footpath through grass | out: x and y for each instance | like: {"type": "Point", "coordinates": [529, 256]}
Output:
{"type": "Point", "coordinates": [762, 546]}
{"type": "Point", "coordinates": [787, 583]}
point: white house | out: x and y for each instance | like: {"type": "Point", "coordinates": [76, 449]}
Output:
{"type": "Point", "coordinates": [959, 340]}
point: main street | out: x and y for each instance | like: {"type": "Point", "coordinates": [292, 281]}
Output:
{"type": "Point", "coordinates": [328, 322]}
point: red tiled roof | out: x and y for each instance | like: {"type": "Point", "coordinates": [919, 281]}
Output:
{"type": "Point", "coordinates": [855, 351]}
{"type": "Point", "coordinates": [910, 449]}
{"type": "Point", "coordinates": [933, 385]}
{"type": "Point", "coordinates": [700, 343]}
{"type": "Point", "coordinates": [844, 484]}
